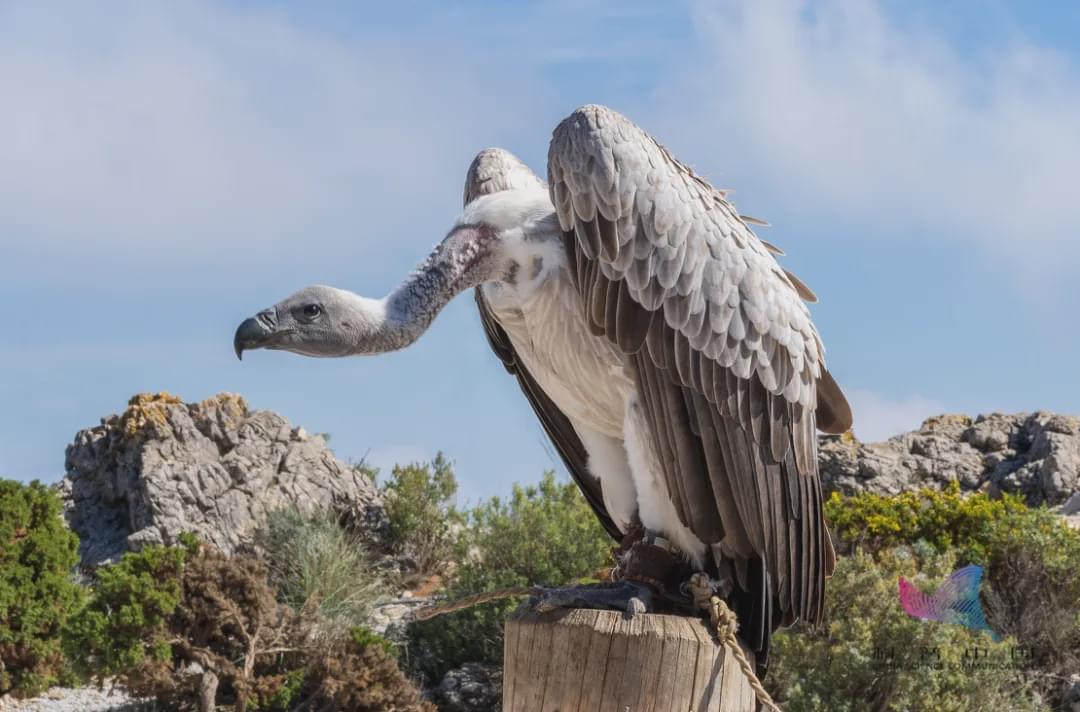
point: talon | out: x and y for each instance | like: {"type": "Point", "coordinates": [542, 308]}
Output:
{"type": "Point", "coordinates": [634, 607]}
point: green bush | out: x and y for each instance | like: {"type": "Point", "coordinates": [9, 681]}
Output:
{"type": "Point", "coordinates": [422, 517]}
{"type": "Point", "coordinates": [125, 623]}
{"type": "Point", "coordinates": [870, 654]}
{"type": "Point", "coordinates": [37, 593]}
{"type": "Point", "coordinates": [543, 535]}
{"type": "Point", "coordinates": [314, 561]}
{"type": "Point", "coordinates": [288, 694]}
{"type": "Point", "coordinates": [169, 623]}
{"type": "Point", "coordinates": [1032, 590]}
{"type": "Point", "coordinates": [1030, 559]}
{"type": "Point", "coordinates": [944, 518]}
{"type": "Point", "coordinates": [362, 637]}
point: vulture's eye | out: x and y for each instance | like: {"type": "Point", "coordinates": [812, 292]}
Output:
{"type": "Point", "coordinates": [311, 311]}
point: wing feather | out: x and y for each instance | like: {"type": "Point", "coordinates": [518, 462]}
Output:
{"type": "Point", "coordinates": [632, 323]}
{"type": "Point", "coordinates": [729, 367]}
{"type": "Point", "coordinates": [494, 170]}
{"type": "Point", "coordinates": [804, 292]}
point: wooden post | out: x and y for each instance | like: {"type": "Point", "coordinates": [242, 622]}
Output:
{"type": "Point", "coordinates": [577, 660]}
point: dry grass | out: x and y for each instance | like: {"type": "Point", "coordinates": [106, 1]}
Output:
{"type": "Point", "coordinates": [315, 563]}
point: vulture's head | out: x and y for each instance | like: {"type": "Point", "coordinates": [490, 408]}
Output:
{"type": "Point", "coordinates": [316, 321]}
{"type": "Point", "coordinates": [323, 321]}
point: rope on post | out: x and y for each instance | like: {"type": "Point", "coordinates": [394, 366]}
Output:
{"type": "Point", "coordinates": [727, 625]}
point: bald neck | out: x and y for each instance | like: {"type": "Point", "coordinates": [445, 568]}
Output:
{"type": "Point", "coordinates": [465, 259]}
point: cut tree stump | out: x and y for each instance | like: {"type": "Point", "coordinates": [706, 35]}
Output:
{"type": "Point", "coordinates": [578, 660]}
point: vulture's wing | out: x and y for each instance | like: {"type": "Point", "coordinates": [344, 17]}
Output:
{"type": "Point", "coordinates": [495, 170]}
{"type": "Point", "coordinates": [491, 171]}
{"type": "Point", "coordinates": [728, 365]}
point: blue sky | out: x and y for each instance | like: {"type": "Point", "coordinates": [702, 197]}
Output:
{"type": "Point", "coordinates": [166, 169]}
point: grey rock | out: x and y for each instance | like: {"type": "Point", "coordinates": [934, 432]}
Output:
{"type": "Point", "coordinates": [391, 618]}
{"type": "Point", "coordinates": [215, 468]}
{"type": "Point", "coordinates": [1070, 694]}
{"type": "Point", "coordinates": [1036, 456]}
{"type": "Point", "coordinates": [473, 687]}
{"type": "Point", "coordinates": [77, 699]}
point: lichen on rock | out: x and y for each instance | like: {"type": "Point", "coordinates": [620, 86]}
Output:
{"type": "Point", "coordinates": [146, 412]}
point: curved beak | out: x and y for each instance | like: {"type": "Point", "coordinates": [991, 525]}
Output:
{"type": "Point", "coordinates": [254, 332]}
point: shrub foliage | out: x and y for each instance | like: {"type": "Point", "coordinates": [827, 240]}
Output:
{"type": "Point", "coordinates": [315, 562]}
{"type": "Point", "coordinates": [37, 593]}
{"type": "Point", "coordinates": [191, 626]}
{"type": "Point", "coordinates": [544, 535]}
{"type": "Point", "coordinates": [419, 503]}
{"type": "Point", "coordinates": [871, 655]}
{"type": "Point", "coordinates": [125, 624]}
{"type": "Point", "coordinates": [1030, 588]}
{"type": "Point", "coordinates": [1032, 592]}
{"type": "Point", "coordinates": [944, 518]}
{"type": "Point", "coordinates": [285, 632]}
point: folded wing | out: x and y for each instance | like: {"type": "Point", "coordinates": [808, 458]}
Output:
{"type": "Point", "coordinates": [729, 367]}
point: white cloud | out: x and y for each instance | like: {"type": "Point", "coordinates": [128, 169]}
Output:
{"type": "Point", "coordinates": [888, 129]}
{"type": "Point", "coordinates": [193, 129]}
{"type": "Point", "coordinates": [879, 417]}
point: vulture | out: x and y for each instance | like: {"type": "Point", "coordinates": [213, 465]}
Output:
{"type": "Point", "coordinates": [669, 357]}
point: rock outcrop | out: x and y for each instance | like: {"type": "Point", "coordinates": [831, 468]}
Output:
{"type": "Point", "coordinates": [391, 618]}
{"type": "Point", "coordinates": [1034, 455]}
{"type": "Point", "coordinates": [215, 468]}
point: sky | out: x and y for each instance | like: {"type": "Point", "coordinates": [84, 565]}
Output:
{"type": "Point", "coordinates": [167, 169]}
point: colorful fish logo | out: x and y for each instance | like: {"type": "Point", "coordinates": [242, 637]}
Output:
{"type": "Point", "coordinates": [956, 601]}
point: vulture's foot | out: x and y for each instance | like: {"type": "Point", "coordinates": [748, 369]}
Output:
{"type": "Point", "coordinates": [656, 563]}
{"type": "Point", "coordinates": [701, 588]}
{"type": "Point", "coordinates": [630, 597]}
